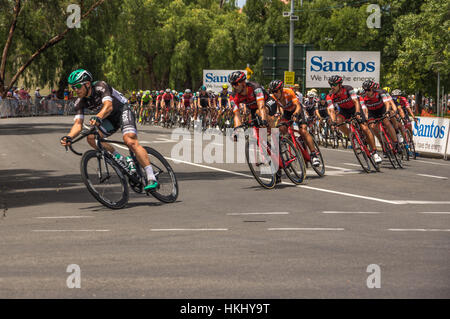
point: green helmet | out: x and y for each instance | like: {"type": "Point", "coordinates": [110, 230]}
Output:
{"type": "Point", "coordinates": [79, 76]}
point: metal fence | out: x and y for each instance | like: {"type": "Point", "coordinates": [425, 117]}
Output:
{"type": "Point", "coordinates": [38, 107]}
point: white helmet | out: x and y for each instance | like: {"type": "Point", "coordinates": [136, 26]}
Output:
{"type": "Point", "coordinates": [311, 94]}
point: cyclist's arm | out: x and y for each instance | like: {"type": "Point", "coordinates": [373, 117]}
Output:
{"type": "Point", "coordinates": [106, 109]}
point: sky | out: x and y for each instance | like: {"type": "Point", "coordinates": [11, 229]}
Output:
{"type": "Point", "coordinates": [240, 3]}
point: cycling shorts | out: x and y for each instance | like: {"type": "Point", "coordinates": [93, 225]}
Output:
{"type": "Point", "coordinates": [126, 122]}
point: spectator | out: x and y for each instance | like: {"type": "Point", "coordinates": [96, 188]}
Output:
{"type": "Point", "coordinates": [37, 94]}
{"type": "Point", "coordinates": [16, 94]}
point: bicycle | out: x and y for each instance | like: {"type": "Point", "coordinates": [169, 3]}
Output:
{"type": "Point", "coordinates": [408, 140]}
{"type": "Point", "coordinates": [300, 143]}
{"type": "Point", "coordinates": [107, 178]}
{"type": "Point", "coordinates": [359, 145]}
{"type": "Point", "coordinates": [392, 153]}
{"type": "Point", "coordinates": [260, 158]}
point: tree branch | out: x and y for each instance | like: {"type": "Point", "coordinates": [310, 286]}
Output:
{"type": "Point", "coordinates": [17, 8]}
{"type": "Point", "coordinates": [49, 44]}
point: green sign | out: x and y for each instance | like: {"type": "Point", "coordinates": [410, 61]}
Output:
{"type": "Point", "coordinates": [276, 61]}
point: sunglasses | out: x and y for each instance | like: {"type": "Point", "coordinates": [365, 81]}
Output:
{"type": "Point", "coordinates": [333, 85]}
{"type": "Point", "coordinates": [77, 86]}
{"type": "Point", "coordinates": [236, 83]}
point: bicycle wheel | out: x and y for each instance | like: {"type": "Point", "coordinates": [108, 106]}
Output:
{"type": "Point", "coordinates": [398, 154]}
{"type": "Point", "coordinates": [260, 163]}
{"type": "Point", "coordinates": [320, 170]}
{"type": "Point", "coordinates": [167, 190]}
{"type": "Point", "coordinates": [387, 150]}
{"type": "Point", "coordinates": [104, 180]}
{"type": "Point", "coordinates": [359, 152]}
{"type": "Point", "coordinates": [411, 146]}
{"type": "Point", "coordinates": [293, 163]}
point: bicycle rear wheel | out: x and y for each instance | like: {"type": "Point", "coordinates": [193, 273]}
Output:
{"type": "Point", "coordinates": [320, 170]}
{"type": "Point", "coordinates": [167, 190]}
{"type": "Point", "coordinates": [359, 152]}
{"type": "Point", "coordinates": [104, 180]}
{"type": "Point", "coordinates": [293, 163]}
{"type": "Point", "coordinates": [411, 146]}
{"type": "Point", "coordinates": [260, 163]}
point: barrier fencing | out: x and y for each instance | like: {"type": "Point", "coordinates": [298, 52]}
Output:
{"type": "Point", "coordinates": [38, 107]}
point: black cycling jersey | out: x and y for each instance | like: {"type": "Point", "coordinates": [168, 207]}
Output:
{"type": "Point", "coordinates": [203, 99]}
{"type": "Point", "coordinates": [121, 115]}
{"type": "Point", "coordinates": [224, 98]}
{"type": "Point", "coordinates": [310, 106]}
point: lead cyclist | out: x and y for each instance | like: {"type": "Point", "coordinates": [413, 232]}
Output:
{"type": "Point", "coordinates": [113, 112]}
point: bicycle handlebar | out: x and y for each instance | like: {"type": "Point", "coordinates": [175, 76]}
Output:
{"type": "Point", "coordinates": [83, 135]}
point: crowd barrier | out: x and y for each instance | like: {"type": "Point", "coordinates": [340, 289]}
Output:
{"type": "Point", "coordinates": [38, 107]}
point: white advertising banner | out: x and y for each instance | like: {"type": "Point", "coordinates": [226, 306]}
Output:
{"type": "Point", "coordinates": [354, 66]}
{"type": "Point", "coordinates": [214, 79]}
{"type": "Point", "coordinates": [431, 135]}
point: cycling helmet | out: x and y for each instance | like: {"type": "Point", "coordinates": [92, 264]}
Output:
{"type": "Point", "coordinates": [323, 96]}
{"type": "Point", "coordinates": [187, 91]}
{"type": "Point", "coordinates": [225, 86]}
{"type": "Point", "coordinates": [237, 76]}
{"type": "Point", "coordinates": [147, 92]}
{"type": "Point", "coordinates": [334, 80]}
{"type": "Point", "coordinates": [174, 92]}
{"type": "Point", "coordinates": [314, 91]}
{"type": "Point", "coordinates": [79, 76]}
{"type": "Point", "coordinates": [275, 85]}
{"type": "Point", "coordinates": [369, 85]}
{"type": "Point", "coordinates": [387, 89]}
{"type": "Point", "coordinates": [197, 93]}
{"type": "Point", "coordinates": [209, 90]}
{"type": "Point", "coordinates": [161, 92]}
{"type": "Point", "coordinates": [167, 90]}
{"type": "Point", "coordinates": [396, 92]}
{"type": "Point", "coordinates": [203, 88]}
{"type": "Point", "coordinates": [311, 94]}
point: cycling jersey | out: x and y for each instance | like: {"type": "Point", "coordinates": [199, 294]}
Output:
{"type": "Point", "coordinates": [224, 98]}
{"type": "Point", "coordinates": [310, 106]}
{"type": "Point", "coordinates": [255, 92]}
{"type": "Point", "coordinates": [121, 115]}
{"type": "Point", "coordinates": [187, 99]}
{"type": "Point", "coordinates": [146, 98]}
{"type": "Point", "coordinates": [376, 101]}
{"type": "Point", "coordinates": [323, 109]}
{"type": "Point", "coordinates": [290, 98]}
{"type": "Point", "coordinates": [167, 97]}
{"type": "Point", "coordinates": [203, 99]}
{"type": "Point", "coordinates": [344, 98]}
{"type": "Point", "coordinates": [400, 101]}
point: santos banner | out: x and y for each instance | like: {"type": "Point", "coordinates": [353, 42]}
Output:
{"type": "Point", "coordinates": [431, 134]}
{"type": "Point", "coordinates": [354, 66]}
{"type": "Point", "coordinates": [214, 79]}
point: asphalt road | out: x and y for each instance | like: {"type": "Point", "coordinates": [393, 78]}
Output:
{"type": "Point", "coordinates": [225, 237]}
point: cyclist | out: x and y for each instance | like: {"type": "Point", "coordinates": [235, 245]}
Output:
{"type": "Point", "coordinates": [204, 102]}
{"type": "Point", "coordinates": [146, 101]}
{"type": "Point", "coordinates": [113, 112]}
{"type": "Point", "coordinates": [290, 107]}
{"type": "Point", "coordinates": [344, 97]}
{"type": "Point", "coordinates": [377, 102]}
{"type": "Point", "coordinates": [223, 101]}
{"type": "Point", "coordinates": [310, 107]}
{"type": "Point", "coordinates": [187, 103]}
{"type": "Point", "coordinates": [253, 96]}
{"type": "Point", "coordinates": [403, 107]}
{"type": "Point", "coordinates": [322, 110]}
{"type": "Point", "coordinates": [167, 102]}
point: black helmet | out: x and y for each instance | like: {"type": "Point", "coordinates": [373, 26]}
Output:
{"type": "Point", "coordinates": [369, 85]}
{"type": "Point", "coordinates": [335, 79]}
{"type": "Point", "coordinates": [237, 76]}
{"type": "Point", "coordinates": [275, 85]}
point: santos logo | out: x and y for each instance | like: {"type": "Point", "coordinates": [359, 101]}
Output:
{"type": "Point", "coordinates": [211, 78]}
{"type": "Point", "coordinates": [341, 66]}
{"type": "Point", "coordinates": [429, 130]}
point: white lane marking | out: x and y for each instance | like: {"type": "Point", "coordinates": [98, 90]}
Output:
{"type": "Point", "coordinates": [331, 149]}
{"type": "Point", "coordinates": [395, 202]}
{"type": "Point", "coordinates": [350, 195]}
{"type": "Point", "coordinates": [272, 213]}
{"type": "Point", "coordinates": [45, 189]}
{"type": "Point", "coordinates": [189, 229]}
{"type": "Point", "coordinates": [70, 230]}
{"type": "Point", "coordinates": [421, 202]}
{"type": "Point", "coordinates": [62, 217]}
{"type": "Point", "coordinates": [418, 229]}
{"type": "Point", "coordinates": [336, 212]}
{"type": "Point", "coordinates": [351, 164]}
{"type": "Point", "coordinates": [337, 167]}
{"type": "Point", "coordinates": [433, 176]}
{"type": "Point", "coordinates": [305, 229]}
{"type": "Point", "coordinates": [432, 163]}
{"type": "Point", "coordinates": [444, 213]}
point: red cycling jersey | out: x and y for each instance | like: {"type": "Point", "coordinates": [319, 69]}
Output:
{"type": "Point", "coordinates": [255, 92]}
{"type": "Point", "coordinates": [377, 100]}
{"type": "Point", "coordinates": [344, 98]}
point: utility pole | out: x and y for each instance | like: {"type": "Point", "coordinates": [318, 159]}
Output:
{"type": "Point", "coordinates": [291, 39]}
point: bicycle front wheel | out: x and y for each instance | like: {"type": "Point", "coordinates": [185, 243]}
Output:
{"type": "Point", "coordinates": [260, 162]}
{"type": "Point", "coordinates": [167, 190]}
{"type": "Point", "coordinates": [359, 151]}
{"type": "Point", "coordinates": [104, 180]}
{"type": "Point", "coordinates": [293, 163]}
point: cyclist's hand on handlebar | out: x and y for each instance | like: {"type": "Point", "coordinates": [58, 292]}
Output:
{"type": "Point", "coordinates": [66, 140]}
{"type": "Point", "coordinates": [95, 120]}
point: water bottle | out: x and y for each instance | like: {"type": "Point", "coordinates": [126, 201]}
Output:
{"type": "Point", "coordinates": [131, 166]}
